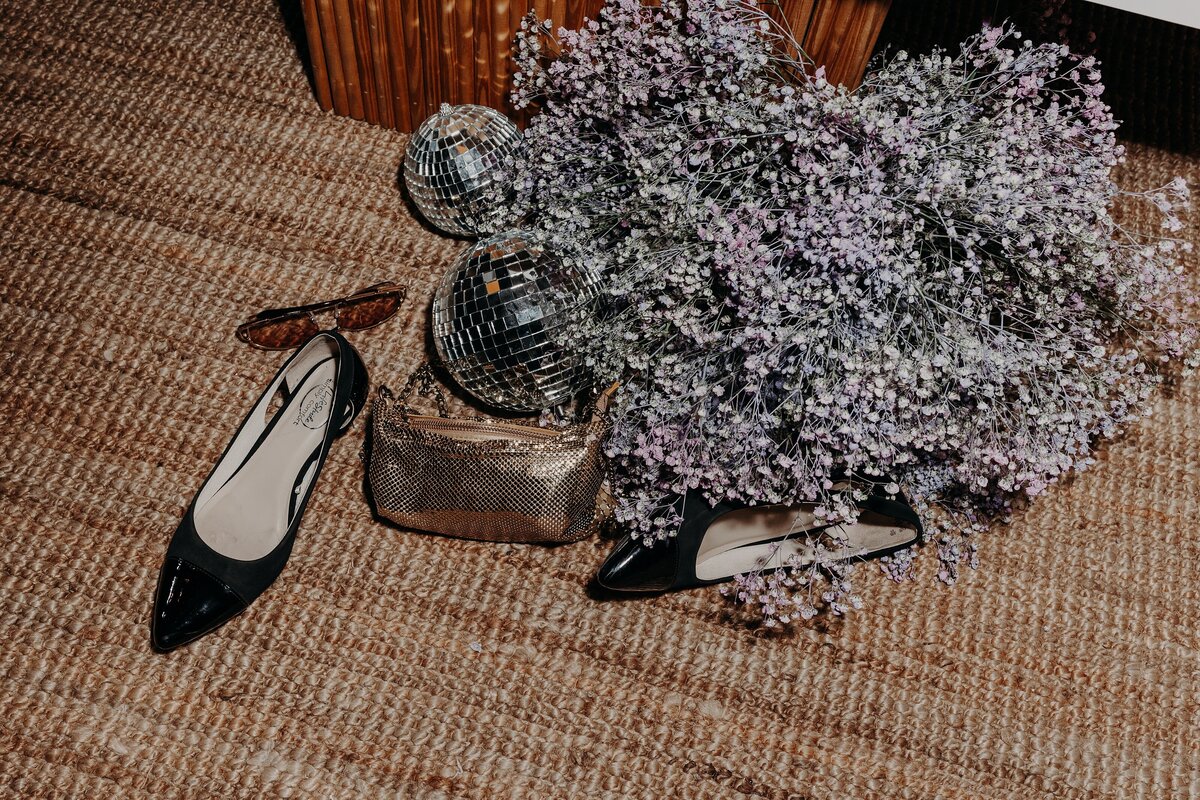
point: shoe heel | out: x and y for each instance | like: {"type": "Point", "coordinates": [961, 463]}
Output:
{"type": "Point", "coordinates": [359, 389]}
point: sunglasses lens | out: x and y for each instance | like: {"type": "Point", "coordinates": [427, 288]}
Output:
{"type": "Point", "coordinates": [368, 312]}
{"type": "Point", "coordinates": [280, 334]}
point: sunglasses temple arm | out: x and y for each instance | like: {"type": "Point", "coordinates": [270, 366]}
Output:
{"type": "Point", "coordinates": [295, 311]}
{"type": "Point", "coordinates": [387, 287]}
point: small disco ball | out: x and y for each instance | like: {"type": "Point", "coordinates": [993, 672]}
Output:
{"type": "Point", "coordinates": [452, 164]}
{"type": "Point", "coordinates": [494, 316]}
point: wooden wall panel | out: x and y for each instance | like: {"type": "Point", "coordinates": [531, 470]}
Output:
{"type": "Point", "coordinates": [394, 62]}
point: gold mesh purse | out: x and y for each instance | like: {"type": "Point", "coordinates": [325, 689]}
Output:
{"type": "Point", "coordinates": [485, 479]}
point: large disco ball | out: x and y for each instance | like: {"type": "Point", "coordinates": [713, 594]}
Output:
{"type": "Point", "coordinates": [494, 317]}
{"type": "Point", "coordinates": [452, 168]}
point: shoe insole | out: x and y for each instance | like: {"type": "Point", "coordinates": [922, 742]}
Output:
{"type": "Point", "coordinates": [249, 515]}
{"type": "Point", "coordinates": [761, 537]}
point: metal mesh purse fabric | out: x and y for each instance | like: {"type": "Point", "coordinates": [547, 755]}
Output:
{"type": "Point", "coordinates": [485, 479]}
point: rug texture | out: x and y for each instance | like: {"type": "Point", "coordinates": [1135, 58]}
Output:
{"type": "Point", "coordinates": [165, 171]}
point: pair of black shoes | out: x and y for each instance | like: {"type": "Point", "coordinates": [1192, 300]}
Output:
{"type": "Point", "coordinates": [716, 542]}
{"type": "Point", "coordinates": [237, 533]}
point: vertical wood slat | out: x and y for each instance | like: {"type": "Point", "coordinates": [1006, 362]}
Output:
{"type": "Point", "coordinates": [351, 76]}
{"type": "Point", "coordinates": [393, 21]}
{"type": "Point", "coordinates": [557, 12]}
{"type": "Point", "coordinates": [429, 50]}
{"type": "Point", "coordinates": [410, 61]}
{"type": "Point", "coordinates": [394, 62]}
{"type": "Point", "coordinates": [449, 65]}
{"type": "Point", "coordinates": [327, 25]}
{"type": "Point", "coordinates": [316, 52]}
{"type": "Point", "coordinates": [464, 55]}
{"type": "Point", "coordinates": [501, 51]}
{"type": "Point", "coordinates": [376, 48]}
{"type": "Point", "coordinates": [359, 29]}
{"type": "Point", "coordinates": [793, 14]}
{"type": "Point", "coordinates": [481, 23]}
{"type": "Point", "coordinates": [841, 37]}
{"type": "Point", "coordinates": [574, 16]}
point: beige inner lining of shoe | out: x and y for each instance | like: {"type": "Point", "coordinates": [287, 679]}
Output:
{"type": "Point", "coordinates": [749, 539]}
{"type": "Point", "coordinates": [247, 517]}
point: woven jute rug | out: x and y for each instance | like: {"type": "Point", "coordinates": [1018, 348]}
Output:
{"type": "Point", "coordinates": [164, 171]}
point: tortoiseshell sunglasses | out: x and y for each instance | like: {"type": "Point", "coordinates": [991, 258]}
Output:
{"type": "Point", "coordinates": [285, 328]}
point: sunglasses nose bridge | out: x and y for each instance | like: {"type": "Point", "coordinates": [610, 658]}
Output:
{"type": "Point", "coordinates": [336, 311]}
{"type": "Point", "coordinates": [314, 316]}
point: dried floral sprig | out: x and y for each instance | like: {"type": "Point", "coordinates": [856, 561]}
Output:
{"type": "Point", "coordinates": [919, 282]}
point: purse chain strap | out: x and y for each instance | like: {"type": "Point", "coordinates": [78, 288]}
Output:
{"type": "Point", "coordinates": [423, 383]}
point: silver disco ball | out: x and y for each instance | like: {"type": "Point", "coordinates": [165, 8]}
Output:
{"type": "Point", "coordinates": [494, 317]}
{"type": "Point", "coordinates": [452, 166]}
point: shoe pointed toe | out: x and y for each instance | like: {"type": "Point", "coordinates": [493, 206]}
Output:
{"type": "Point", "coordinates": [188, 604]}
{"type": "Point", "coordinates": [634, 567]}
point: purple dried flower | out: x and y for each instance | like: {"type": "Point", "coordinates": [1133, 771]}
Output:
{"type": "Point", "coordinates": [921, 280]}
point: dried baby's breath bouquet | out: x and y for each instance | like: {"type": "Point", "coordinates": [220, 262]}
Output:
{"type": "Point", "coordinates": [920, 281]}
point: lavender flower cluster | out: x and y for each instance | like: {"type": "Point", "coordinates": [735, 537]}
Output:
{"type": "Point", "coordinates": [920, 282]}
